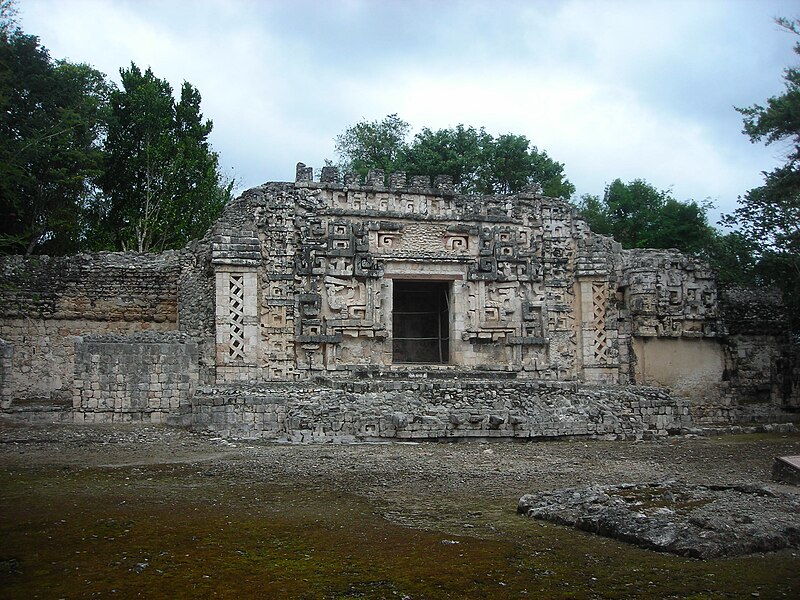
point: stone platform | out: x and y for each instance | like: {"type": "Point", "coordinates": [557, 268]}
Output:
{"type": "Point", "coordinates": [434, 409]}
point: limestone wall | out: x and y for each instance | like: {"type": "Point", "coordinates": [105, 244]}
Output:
{"type": "Point", "coordinates": [308, 281]}
{"type": "Point", "coordinates": [694, 368]}
{"type": "Point", "coordinates": [140, 377]}
{"type": "Point", "coordinates": [196, 305]}
{"type": "Point", "coordinates": [48, 303]}
{"type": "Point", "coordinates": [105, 286]}
{"type": "Point", "coordinates": [762, 365]}
{"type": "Point", "coordinates": [43, 354]}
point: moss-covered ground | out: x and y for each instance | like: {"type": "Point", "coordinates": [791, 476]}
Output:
{"type": "Point", "coordinates": [169, 531]}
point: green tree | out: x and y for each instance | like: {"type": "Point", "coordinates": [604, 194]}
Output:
{"type": "Point", "coordinates": [510, 164]}
{"type": "Point", "coordinates": [372, 145]}
{"type": "Point", "coordinates": [457, 152]}
{"type": "Point", "coordinates": [769, 216]}
{"type": "Point", "coordinates": [638, 215]}
{"type": "Point", "coordinates": [8, 15]}
{"type": "Point", "coordinates": [50, 131]}
{"type": "Point", "coordinates": [734, 257]}
{"type": "Point", "coordinates": [161, 179]}
{"type": "Point", "coordinates": [477, 162]}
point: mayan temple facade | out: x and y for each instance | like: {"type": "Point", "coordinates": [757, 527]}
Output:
{"type": "Point", "coordinates": [337, 310]}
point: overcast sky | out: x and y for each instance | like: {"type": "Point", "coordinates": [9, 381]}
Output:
{"type": "Point", "coordinates": [628, 89]}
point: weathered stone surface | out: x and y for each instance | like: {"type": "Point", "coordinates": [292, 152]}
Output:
{"type": "Point", "coordinates": [107, 286]}
{"type": "Point", "coordinates": [435, 410]}
{"type": "Point", "coordinates": [689, 520]}
{"type": "Point", "coordinates": [786, 469]}
{"type": "Point", "coordinates": [316, 286]}
{"type": "Point", "coordinates": [141, 377]}
{"type": "Point", "coordinates": [47, 304]}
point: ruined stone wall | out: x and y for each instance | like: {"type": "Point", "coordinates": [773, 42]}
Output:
{"type": "Point", "coordinates": [669, 294]}
{"type": "Point", "coordinates": [676, 329]}
{"type": "Point", "coordinates": [758, 368]}
{"type": "Point", "coordinates": [106, 286]}
{"type": "Point", "coordinates": [305, 276]}
{"type": "Point", "coordinates": [197, 305]}
{"type": "Point", "coordinates": [48, 303]}
{"type": "Point", "coordinates": [140, 377]}
{"type": "Point", "coordinates": [435, 410]}
{"type": "Point", "coordinates": [301, 282]}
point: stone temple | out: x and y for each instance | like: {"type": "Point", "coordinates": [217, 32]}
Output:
{"type": "Point", "coordinates": [393, 308]}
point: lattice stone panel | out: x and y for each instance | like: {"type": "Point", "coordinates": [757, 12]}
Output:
{"type": "Point", "coordinates": [236, 307]}
{"type": "Point", "coordinates": [598, 344]}
{"type": "Point", "coordinates": [599, 299]}
{"type": "Point", "coordinates": [237, 325]}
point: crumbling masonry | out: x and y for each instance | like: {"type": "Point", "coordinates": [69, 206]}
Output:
{"type": "Point", "coordinates": [391, 308]}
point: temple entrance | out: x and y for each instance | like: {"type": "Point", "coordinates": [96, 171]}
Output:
{"type": "Point", "coordinates": [421, 322]}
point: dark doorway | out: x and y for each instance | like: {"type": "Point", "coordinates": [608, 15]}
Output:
{"type": "Point", "coordinates": [421, 322]}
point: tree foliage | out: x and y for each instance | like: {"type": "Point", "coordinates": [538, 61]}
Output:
{"type": "Point", "coordinates": [85, 165]}
{"type": "Point", "coordinates": [768, 216]}
{"type": "Point", "coordinates": [50, 125]}
{"type": "Point", "coordinates": [160, 179]}
{"type": "Point", "coordinates": [372, 145]}
{"type": "Point", "coordinates": [457, 152]}
{"type": "Point", "coordinates": [8, 15]}
{"type": "Point", "coordinates": [638, 215]}
{"type": "Point", "coordinates": [478, 162]}
{"type": "Point", "coordinates": [734, 257]}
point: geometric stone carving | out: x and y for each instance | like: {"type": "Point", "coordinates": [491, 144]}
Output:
{"type": "Point", "coordinates": [388, 240]}
{"type": "Point", "coordinates": [528, 288]}
{"type": "Point", "coordinates": [236, 305]}
{"type": "Point", "coordinates": [599, 299]}
{"type": "Point", "coordinates": [457, 243]}
{"type": "Point", "coordinates": [237, 324]}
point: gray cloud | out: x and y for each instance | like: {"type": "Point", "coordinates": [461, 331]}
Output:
{"type": "Point", "coordinates": [612, 89]}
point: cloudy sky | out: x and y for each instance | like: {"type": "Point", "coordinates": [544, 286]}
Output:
{"type": "Point", "coordinates": [628, 89]}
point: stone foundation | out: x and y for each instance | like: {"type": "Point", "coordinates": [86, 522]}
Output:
{"type": "Point", "coordinates": [371, 410]}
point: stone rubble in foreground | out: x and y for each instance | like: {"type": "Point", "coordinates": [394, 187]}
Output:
{"type": "Point", "coordinates": [698, 521]}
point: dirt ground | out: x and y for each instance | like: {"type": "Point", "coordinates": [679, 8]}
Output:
{"type": "Point", "coordinates": [139, 511]}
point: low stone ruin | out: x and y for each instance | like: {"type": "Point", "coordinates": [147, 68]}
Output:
{"type": "Point", "coordinates": [699, 521]}
{"type": "Point", "coordinates": [452, 315]}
